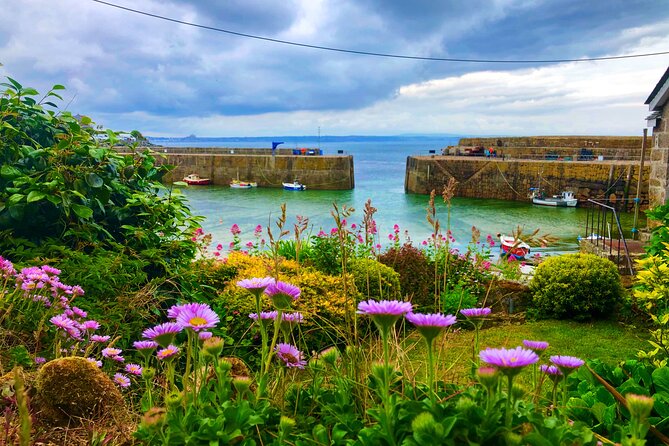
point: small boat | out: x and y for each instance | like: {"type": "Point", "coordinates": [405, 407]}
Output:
{"type": "Point", "coordinates": [194, 180]}
{"type": "Point", "coordinates": [236, 184]}
{"type": "Point", "coordinates": [513, 248]}
{"type": "Point", "coordinates": [295, 185]}
{"type": "Point", "coordinates": [565, 199]}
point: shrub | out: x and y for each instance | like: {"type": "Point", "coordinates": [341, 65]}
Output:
{"type": "Point", "coordinates": [374, 280]}
{"type": "Point", "coordinates": [61, 185]}
{"type": "Point", "coordinates": [576, 286]}
{"type": "Point", "coordinates": [416, 273]}
{"type": "Point", "coordinates": [324, 254]}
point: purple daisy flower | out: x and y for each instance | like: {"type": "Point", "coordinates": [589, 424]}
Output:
{"type": "Point", "coordinates": [163, 334]}
{"type": "Point", "coordinates": [475, 312]}
{"type": "Point", "coordinates": [536, 346]}
{"type": "Point", "coordinates": [89, 325]}
{"type": "Point", "coordinates": [174, 310]}
{"type": "Point", "coordinates": [256, 285]}
{"type": "Point", "coordinates": [282, 294]}
{"type": "Point", "coordinates": [567, 364]}
{"type": "Point", "coordinates": [98, 338]}
{"type": "Point", "coordinates": [79, 312]}
{"type": "Point", "coordinates": [40, 360]}
{"type": "Point", "coordinates": [430, 325]}
{"type": "Point", "coordinates": [110, 352]}
{"type": "Point", "coordinates": [290, 356]}
{"type": "Point", "coordinates": [204, 335]}
{"type": "Point", "coordinates": [168, 352]}
{"type": "Point", "coordinates": [384, 313]}
{"type": "Point", "coordinates": [265, 315]}
{"type": "Point", "coordinates": [63, 322]}
{"type": "Point", "coordinates": [292, 318]}
{"type": "Point", "coordinates": [508, 361]}
{"type": "Point", "coordinates": [197, 317]}
{"type": "Point", "coordinates": [144, 345]}
{"type": "Point", "coordinates": [121, 380]}
{"type": "Point", "coordinates": [133, 369]}
{"type": "Point", "coordinates": [550, 370]}
{"type": "Point", "coordinates": [95, 362]}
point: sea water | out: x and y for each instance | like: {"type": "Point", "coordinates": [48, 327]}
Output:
{"type": "Point", "coordinates": [379, 175]}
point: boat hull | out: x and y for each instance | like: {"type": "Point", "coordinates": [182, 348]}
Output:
{"type": "Point", "coordinates": [294, 186]}
{"type": "Point", "coordinates": [557, 202]}
{"type": "Point", "coordinates": [513, 249]}
{"type": "Point", "coordinates": [243, 184]}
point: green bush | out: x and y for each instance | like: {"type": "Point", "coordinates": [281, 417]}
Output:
{"type": "Point", "coordinates": [374, 280]}
{"type": "Point", "coordinates": [416, 273]}
{"type": "Point", "coordinates": [63, 185]}
{"type": "Point", "coordinates": [576, 286]}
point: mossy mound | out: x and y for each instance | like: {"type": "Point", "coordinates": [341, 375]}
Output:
{"type": "Point", "coordinates": [70, 390]}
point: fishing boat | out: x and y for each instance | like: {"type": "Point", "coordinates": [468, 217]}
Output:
{"type": "Point", "coordinates": [513, 248]}
{"type": "Point", "coordinates": [194, 180]}
{"type": "Point", "coordinates": [236, 184]}
{"type": "Point", "coordinates": [295, 185]}
{"type": "Point", "coordinates": [565, 199]}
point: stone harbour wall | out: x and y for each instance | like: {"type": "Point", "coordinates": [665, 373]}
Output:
{"type": "Point", "coordinates": [614, 142]}
{"type": "Point", "coordinates": [511, 179]}
{"type": "Point", "coordinates": [326, 172]}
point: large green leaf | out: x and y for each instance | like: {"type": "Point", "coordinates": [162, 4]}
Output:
{"type": "Point", "coordinates": [35, 195]}
{"type": "Point", "coordinates": [10, 172]}
{"type": "Point", "coordinates": [661, 379]}
{"type": "Point", "coordinates": [82, 211]}
{"type": "Point", "coordinates": [16, 198]}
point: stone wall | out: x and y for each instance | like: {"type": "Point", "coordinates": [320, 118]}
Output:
{"type": "Point", "coordinates": [566, 153]}
{"type": "Point", "coordinates": [659, 161]}
{"type": "Point", "coordinates": [511, 180]}
{"type": "Point", "coordinates": [621, 142]}
{"type": "Point", "coordinates": [331, 172]}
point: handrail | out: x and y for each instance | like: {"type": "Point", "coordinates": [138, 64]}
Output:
{"type": "Point", "coordinates": [595, 237]}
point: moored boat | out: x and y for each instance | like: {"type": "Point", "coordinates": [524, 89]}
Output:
{"type": "Point", "coordinates": [195, 180]}
{"type": "Point", "coordinates": [513, 248]}
{"type": "Point", "coordinates": [295, 185]}
{"type": "Point", "coordinates": [565, 199]}
{"type": "Point", "coordinates": [236, 184]}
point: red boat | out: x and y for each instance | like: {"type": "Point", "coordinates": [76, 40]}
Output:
{"type": "Point", "coordinates": [513, 248]}
{"type": "Point", "coordinates": [195, 180]}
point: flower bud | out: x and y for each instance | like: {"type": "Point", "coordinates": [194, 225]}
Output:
{"type": "Point", "coordinates": [154, 417]}
{"type": "Point", "coordinates": [330, 356]}
{"type": "Point", "coordinates": [148, 373]}
{"type": "Point", "coordinates": [213, 346]}
{"type": "Point", "coordinates": [488, 377]}
{"type": "Point", "coordinates": [286, 424]}
{"type": "Point", "coordinates": [242, 384]}
{"type": "Point", "coordinates": [173, 400]}
{"type": "Point", "coordinates": [639, 406]}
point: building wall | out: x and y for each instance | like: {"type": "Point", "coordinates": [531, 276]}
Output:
{"type": "Point", "coordinates": [659, 161]}
{"type": "Point", "coordinates": [333, 172]}
{"type": "Point", "coordinates": [511, 180]}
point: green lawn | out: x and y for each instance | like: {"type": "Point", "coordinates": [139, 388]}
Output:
{"type": "Point", "coordinates": [608, 341]}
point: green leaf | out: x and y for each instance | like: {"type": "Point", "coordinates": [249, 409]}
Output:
{"type": "Point", "coordinates": [17, 211]}
{"type": "Point", "coordinates": [10, 172]}
{"type": "Point", "coordinates": [661, 379]}
{"type": "Point", "coordinates": [30, 91]}
{"type": "Point", "coordinates": [85, 120]}
{"type": "Point", "coordinates": [94, 180]}
{"type": "Point", "coordinates": [58, 87]}
{"type": "Point", "coordinates": [35, 195]}
{"type": "Point", "coordinates": [16, 198]}
{"type": "Point", "coordinates": [82, 211]}
{"type": "Point", "coordinates": [97, 154]}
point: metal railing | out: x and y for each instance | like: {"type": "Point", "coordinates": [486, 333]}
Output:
{"type": "Point", "coordinates": [604, 232]}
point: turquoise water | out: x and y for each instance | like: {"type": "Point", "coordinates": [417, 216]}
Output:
{"type": "Point", "coordinates": [379, 176]}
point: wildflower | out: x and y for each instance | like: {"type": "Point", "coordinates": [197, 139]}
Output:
{"type": "Point", "coordinates": [164, 333]}
{"type": "Point", "coordinates": [264, 316]}
{"type": "Point", "coordinates": [117, 358]}
{"type": "Point", "coordinates": [197, 317]}
{"type": "Point", "coordinates": [639, 406]}
{"type": "Point", "coordinates": [79, 312]}
{"type": "Point", "coordinates": [258, 230]}
{"type": "Point", "coordinates": [567, 364]}
{"type": "Point", "coordinates": [508, 361]}
{"type": "Point", "coordinates": [535, 346]}
{"type": "Point", "coordinates": [40, 360]}
{"type": "Point", "coordinates": [282, 294]}
{"type": "Point", "coordinates": [475, 312]}
{"type": "Point", "coordinates": [241, 383]}
{"type": "Point", "coordinates": [98, 338]}
{"type": "Point", "coordinates": [551, 371]}
{"type": "Point", "coordinates": [219, 247]}
{"type": "Point", "coordinates": [290, 356]}
{"type": "Point", "coordinates": [204, 335]}
{"type": "Point", "coordinates": [384, 313]}
{"type": "Point", "coordinates": [487, 376]}
{"type": "Point", "coordinates": [90, 325]}
{"type": "Point", "coordinates": [121, 380]}
{"type": "Point", "coordinates": [256, 284]}
{"type": "Point", "coordinates": [110, 352]}
{"type": "Point", "coordinates": [235, 229]}
{"type": "Point", "coordinates": [213, 346]}
{"type": "Point", "coordinates": [168, 352]}
{"type": "Point", "coordinates": [430, 325]}
{"type": "Point", "coordinates": [95, 362]}
{"type": "Point", "coordinates": [63, 322]}
{"type": "Point", "coordinates": [133, 369]}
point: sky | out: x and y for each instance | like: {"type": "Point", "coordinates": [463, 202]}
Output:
{"type": "Point", "coordinates": [133, 72]}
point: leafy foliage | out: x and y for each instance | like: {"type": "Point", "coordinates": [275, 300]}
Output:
{"type": "Point", "coordinates": [414, 268]}
{"type": "Point", "coordinates": [576, 286]}
{"type": "Point", "coordinates": [61, 184]}
{"type": "Point", "coordinates": [660, 233]}
{"type": "Point", "coordinates": [374, 280]}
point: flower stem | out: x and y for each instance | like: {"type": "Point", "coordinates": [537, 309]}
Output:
{"type": "Point", "coordinates": [430, 369]}
{"type": "Point", "coordinates": [509, 401]}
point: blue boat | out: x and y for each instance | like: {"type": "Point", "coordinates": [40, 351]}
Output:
{"type": "Point", "coordinates": [295, 185]}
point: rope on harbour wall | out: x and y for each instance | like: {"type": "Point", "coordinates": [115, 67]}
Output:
{"type": "Point", "coordinates": [507, 182]}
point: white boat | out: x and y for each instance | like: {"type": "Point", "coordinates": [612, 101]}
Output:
{"type": "Point", "coordinates": [565, 199]}
{"type": "Point", "coordinates": [194, 180]}
{"type": "Point", "coordinates": [295, 185]}
{"type": "Point", "coordinates": [512, 247]}
{"type": "Point", "coordinates": [236, 184]}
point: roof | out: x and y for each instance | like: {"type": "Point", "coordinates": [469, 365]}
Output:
{"type": "Point", "coordinates": [658, 97]}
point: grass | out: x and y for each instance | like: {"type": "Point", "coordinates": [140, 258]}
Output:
{"type": "Point", "coordinates": [608, 341]}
